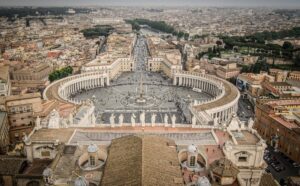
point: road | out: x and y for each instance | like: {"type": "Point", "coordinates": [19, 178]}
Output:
{"type": "Point", "coordinates": [245, 110]}
{"type": "Point", "coordinates": [290, 170]}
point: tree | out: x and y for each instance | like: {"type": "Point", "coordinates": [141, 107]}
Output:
{"type": "Point", "coordinates": [287, 46]}
{"type": "Point", "coordinates": [180, 34]}
{"type": "Point", "coordinates": [297, 59]}
{"type": "Point", "coordinates": [219, 43]}
{"type": "Point", "coordinates": [186, 36]}
{"type": "Point", "coordinates": [59, 74]}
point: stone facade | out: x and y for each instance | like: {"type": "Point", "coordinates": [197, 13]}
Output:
{"type": "Point", "coordinates": [277, 122]}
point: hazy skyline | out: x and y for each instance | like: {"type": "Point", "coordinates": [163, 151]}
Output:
{"type": "Point", "coordinates": [218, 3]}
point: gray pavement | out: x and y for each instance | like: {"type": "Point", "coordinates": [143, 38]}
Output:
{"type": "Point", "coordinates": [245, 110]}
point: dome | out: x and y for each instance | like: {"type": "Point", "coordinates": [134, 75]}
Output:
{"type": "Point", "coordinates": [92, 148]}
{"type": "Point", "coordinates": [203, 181]}
{"type": "Point", "coordinates": [47, 172]}
{"type": "Point", "coordinates": [192, 148]}
{"type": "Point", "coordinates": [80, 181]}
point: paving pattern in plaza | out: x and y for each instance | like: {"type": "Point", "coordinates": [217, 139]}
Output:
{"type": "Point", "coordinates": [160, 96]}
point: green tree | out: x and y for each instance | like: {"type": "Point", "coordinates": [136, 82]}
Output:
{"type": "Point", "coordinates": [287, 46]}
{"type": "Point", "coordinates": [297, 60]}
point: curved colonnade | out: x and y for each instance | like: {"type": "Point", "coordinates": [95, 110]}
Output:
{"type": "Point", "coordinates": [210, 112]}
{"type": "Point", "coordinates": [62, 89]}
{"type": "Point", "coordinates": [217, 110]}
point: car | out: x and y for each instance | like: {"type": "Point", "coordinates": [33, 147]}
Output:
{"type": "Point", "coordinates": [277, 168]}
{"type": "Point", "coordinates": [296, 165]}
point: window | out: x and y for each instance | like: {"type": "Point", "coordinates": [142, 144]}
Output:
{"type": "Point", "coordinates": [192, 161]}
{"type": "Point", "coordinates": [2, 87]}
{"type": "Point", "coordinates": [92, 160]}
{"type": "Point", "coordinates": [242, 159]}
{"type": "Point", "coordinates": [45, 153]}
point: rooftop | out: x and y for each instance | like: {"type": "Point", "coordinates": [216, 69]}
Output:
{"type": "Point", "coordinates": [231, 93]}
{"type": "Point", "coordinates": [63, 135]}
{"type": "Point", "coordinates": [146, 160]}
{"type": "Point", "coordinates": [245, 137]}
{"type": "Point", "coordinates": [2, 118]}
{"type": "Point", "coordinates": [4, 71]}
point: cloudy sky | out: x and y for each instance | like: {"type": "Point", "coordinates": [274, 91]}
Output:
{"type": "Point", "coordinates": [220, 3]}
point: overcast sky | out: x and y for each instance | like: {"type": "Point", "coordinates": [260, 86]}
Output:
{"type": "Point", "coordinates": [219, 3]}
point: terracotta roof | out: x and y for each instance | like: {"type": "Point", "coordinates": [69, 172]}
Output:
{"type": "Point", "coordinates": [142, 160]}
{"type": "Point", "coordinates": [224, 168]}
{"type": "Point", "coordinates": [4, 70]}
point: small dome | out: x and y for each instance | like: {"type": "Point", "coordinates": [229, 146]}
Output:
{"type": "Point", "coordinates": [203, 181]}
{"type": "Point", "coordinates": [47, 172]}
{"type": "Point", "coordinates": [92, 148]}
{"type": "Point", "coordinates": [81, 181]}
{"type": "Point", "coordinates": [192, 148]}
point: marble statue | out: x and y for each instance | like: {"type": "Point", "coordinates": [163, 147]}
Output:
{"type": "Point", "coordinates": [54, 120]}
{"type": "Point", "coordinates": [142, 118]}
{"type": "Point", "coordinates": [194, 121]}
{"type": "Point", "coordinates": [112, 120]}
{"type": "Point", "coordinates": [216, 122]}
{"type": "Point", "coordinates": [166, 120]}
{"type": "Point", "coordinates": [133, 119]}
{"type": "Point", "coordinates": [38, 123]}
{"type": "Point", "coordinates": [64, 123]}
{"type": "Point", "coordinates": [242, 125]}
{"type": "Point", "coordinates": [173, 120]}
{"type": "Point", "coordinates": [26, 138]}
{"type": "Point", "coordinates": [153, 119]}
{"type": "Point", "coordinates": [250, 123]}
{"type": "Point", "coordinates": [121, 119]}
{"type": "Point", "coordinates": [93, 119]}
{"type": "Point", "coordinates": [70, 119]}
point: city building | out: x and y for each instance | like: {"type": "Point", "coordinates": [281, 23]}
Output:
{"type": "Point", "coordinates": [250, 84]}
{"type": "Point", "coordinates": [294, 75]}
{"type": "Point", "coordinates": [20, 110]}
{"type": "Point", "coordinates": [33, 72]}
{"type": "Point", "coordinates": [277, 121]}
{"type": "Point", "coordinates": [5, 83]}
{"type": "Point", "coordinates": [163, 57]}
{"type": "Point", "coordinates": [228, 71]}
{"type": "Point", "coordinates": [117, 57]}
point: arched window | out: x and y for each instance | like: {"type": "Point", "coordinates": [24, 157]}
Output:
{"type": "Point", "coordinates": [192, 161]}
{"type": "Point", "coordinates": [92, 160]}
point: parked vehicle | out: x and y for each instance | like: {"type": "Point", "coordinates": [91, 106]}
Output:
{"type": "Point", "coordinates": [295, 165]}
